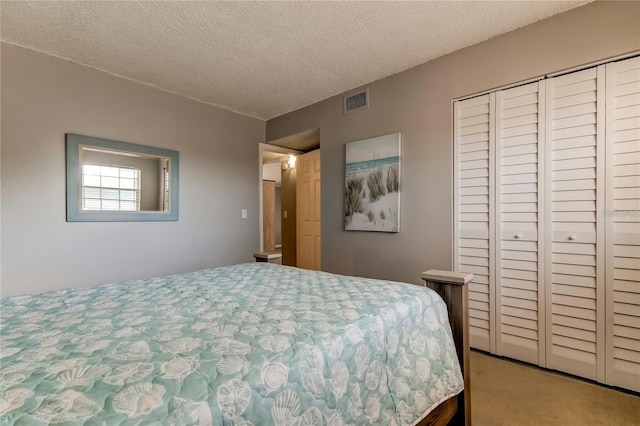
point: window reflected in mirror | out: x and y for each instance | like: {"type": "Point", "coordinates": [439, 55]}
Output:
{"type": "Point", "coordinates": [110, 188]}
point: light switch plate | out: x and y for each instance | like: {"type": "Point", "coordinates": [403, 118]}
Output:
{"type": "Point", "coordinates": [244, 213]}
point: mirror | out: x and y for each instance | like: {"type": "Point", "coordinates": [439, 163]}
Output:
{"type": "Point", "coordinates": [112, 181]}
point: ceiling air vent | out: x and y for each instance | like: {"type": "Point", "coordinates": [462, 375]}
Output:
{"type": "Point", "coordinates": [356, 101]}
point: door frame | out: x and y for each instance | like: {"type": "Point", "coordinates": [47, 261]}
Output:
{"type": "Point", "coordinates": [262, 148]}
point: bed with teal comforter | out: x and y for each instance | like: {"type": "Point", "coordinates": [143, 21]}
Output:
{"type": "Point", "coordinates": [248, 344]}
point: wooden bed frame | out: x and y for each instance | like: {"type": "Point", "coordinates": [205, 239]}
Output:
{"type": "Point", "coordinates": [453, 288]}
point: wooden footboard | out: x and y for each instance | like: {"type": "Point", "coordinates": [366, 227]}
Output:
{"type": "Point", "coordinates": [453, 288]}
{"type": "Point", "coordinates": [442, 415]}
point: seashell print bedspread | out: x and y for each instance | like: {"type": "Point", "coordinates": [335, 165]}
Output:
{"type": "Point", "coordinates": [248, 344]}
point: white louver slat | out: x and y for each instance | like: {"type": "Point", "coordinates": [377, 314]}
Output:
{"type": "Point", "coordinates": [574, 255]}
{"type": "Point", "coordinates": [519, 268]}
{"type": "Point", "coordinates": [623, 224]}
{"type": "Point", "coordinates": [473, 191]}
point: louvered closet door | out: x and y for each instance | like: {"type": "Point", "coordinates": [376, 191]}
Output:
{"type": "Point", "coordinates": [473, 192]}
{"type": "Point", "coordinates": [623, 224]}
{"type": "Point", "coordinates": [519, 275]}
{"type": "Point", "coordinates": [574, 223]}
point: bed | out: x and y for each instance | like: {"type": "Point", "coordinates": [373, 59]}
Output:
{"type": "Point", "coordinates": [246, 344]}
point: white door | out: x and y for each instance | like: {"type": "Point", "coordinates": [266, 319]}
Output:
{"type": "Point", "coordinates": [574, 223]}
{"type": "Point", "coordinates": [520, 302]}
{"type": "Point", "coordinates": [473, 223]}
{"type": "Point", "coordinates": [308, 210]}
{"type": "Point", "coordinates": [623, 224]}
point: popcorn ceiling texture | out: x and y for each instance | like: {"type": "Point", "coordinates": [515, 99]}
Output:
{"type": "Point", "coordinates": [261, 59]}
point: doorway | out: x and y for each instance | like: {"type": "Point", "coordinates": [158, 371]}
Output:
{"type": "Point", "coordinates": [279, 186]}
{"type": "Point", "coordinates": [277, 202]}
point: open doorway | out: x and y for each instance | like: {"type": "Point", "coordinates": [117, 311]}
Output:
{"type": "Point", "coordinates": [282, 224]}
{"type": "Point", "coordinates": [278, 202]}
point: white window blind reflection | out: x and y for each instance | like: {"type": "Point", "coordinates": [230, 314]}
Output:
{"type": "Point", "coordinates": [109, 188]}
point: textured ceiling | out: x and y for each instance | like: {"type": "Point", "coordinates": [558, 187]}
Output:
{"type": "Point", "coordinates": [261, 59]}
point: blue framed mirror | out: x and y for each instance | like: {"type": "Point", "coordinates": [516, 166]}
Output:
{"type": "Point", "coordinates": [113, 181]}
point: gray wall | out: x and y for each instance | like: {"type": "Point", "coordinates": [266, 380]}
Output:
{"type": "Point", "coordinates": [418, 103]}
{"type": "Point", "coordinates": [42, 99]}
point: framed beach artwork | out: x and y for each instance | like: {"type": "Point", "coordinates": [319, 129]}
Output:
{"type": "Point", "coordinates": [372, 184]}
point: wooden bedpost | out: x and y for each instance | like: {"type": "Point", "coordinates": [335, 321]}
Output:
{"type": "Point", "coordinates": [454, 290]}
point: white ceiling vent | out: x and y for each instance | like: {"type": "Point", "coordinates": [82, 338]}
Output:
{"type": "Point", "coordinates": [356, 101]}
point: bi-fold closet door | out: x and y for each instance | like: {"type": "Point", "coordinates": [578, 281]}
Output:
{"type": "Point", "coordinates": [574, 219]}
{"type": "Point", "coordinates": [547, 194]}
{"type": "Point", "coordinates": [593, 224]}
{"type": "Point", "coordinates": [498, 168]}
{"type": "Point", "coordinates": [519, 178]}
{"type": "Point", "coordinates": [474, 194]}
{"type": "Point", "coordinates": [622, 224]}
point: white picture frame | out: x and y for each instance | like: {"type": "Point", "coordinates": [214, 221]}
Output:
{"type": "Point", "coordinates": [373, 184]}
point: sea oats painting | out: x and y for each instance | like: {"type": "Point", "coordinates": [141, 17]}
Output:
{"type": "Point", "coordinates": [372, 184]}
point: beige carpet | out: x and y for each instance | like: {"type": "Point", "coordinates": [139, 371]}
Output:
{"type": "Point", "coordinates": [513, 394]}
